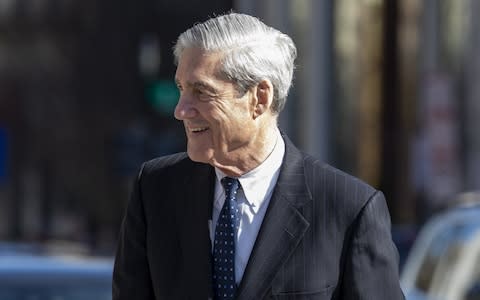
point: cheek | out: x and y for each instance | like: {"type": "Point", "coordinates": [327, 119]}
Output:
{"type": "Point", "coordinates": [219, 119]}
{"type": "Point", "coordinates": [230, 122]}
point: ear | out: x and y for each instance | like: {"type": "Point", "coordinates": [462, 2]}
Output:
{"type": "Point", "coordinates": [264, 95]}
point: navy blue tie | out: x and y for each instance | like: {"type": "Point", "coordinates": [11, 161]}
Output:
{"type": "Point", "coordinates": [224, 243]}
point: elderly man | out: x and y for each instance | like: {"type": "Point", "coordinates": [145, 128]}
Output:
{"type": "Point", "coordinates": [243, 214]}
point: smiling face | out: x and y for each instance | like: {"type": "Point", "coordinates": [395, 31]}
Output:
{"type": "Point", "coordinates": [227, 130]}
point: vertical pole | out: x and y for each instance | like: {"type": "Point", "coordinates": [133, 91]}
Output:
{"type": "Point", "coordinates": [319, 80]}
{"type": "Point", "coordinates": [472, 111]}
{"type": "Point", "coordinates": [391, 114]}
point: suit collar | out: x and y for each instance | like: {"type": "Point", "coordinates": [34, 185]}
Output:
{"type": "Point", "coordinates": [282, 229]}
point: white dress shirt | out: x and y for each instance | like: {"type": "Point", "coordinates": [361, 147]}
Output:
{"type": "Point", "coordinates": [256, 188]}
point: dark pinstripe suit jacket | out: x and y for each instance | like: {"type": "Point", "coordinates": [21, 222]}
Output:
{"type": "Point", "coordinates": [326, 235]}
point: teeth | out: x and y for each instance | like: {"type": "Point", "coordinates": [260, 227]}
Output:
{"type": "Point", "coordinates": [198, 129]}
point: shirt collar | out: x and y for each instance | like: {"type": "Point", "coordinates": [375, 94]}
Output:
{"type": "Point", "coordinates": [259, 182]}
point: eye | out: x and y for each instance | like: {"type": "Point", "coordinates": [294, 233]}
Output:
{"type": "Point", "coordinates": [200, 93]}
{"type": "Point", "coordinates": [203, 96]}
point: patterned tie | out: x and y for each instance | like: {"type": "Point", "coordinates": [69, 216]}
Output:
{"type": "Point", "coordinates": [224, 243]}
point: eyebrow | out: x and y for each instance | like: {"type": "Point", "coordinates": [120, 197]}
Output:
{"type": "Point", "coordinates": [199, 84]}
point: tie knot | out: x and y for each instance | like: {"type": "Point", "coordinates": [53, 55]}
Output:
{"type": "Point", "coordinates": [230, 185]}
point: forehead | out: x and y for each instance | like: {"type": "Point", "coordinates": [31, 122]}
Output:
{"type": "Point", "coordinates": [195, 64]}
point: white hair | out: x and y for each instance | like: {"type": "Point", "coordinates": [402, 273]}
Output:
{"type": "Point", "coordinates": [252, 52]}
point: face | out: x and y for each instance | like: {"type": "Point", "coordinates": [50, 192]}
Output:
{"type": "Point", "coordinates": [223, 128]}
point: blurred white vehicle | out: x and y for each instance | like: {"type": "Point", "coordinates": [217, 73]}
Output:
{"type": "Point", "coordinates": [444, 262]}
{"type": "Point", "coordinates": [30, 273]}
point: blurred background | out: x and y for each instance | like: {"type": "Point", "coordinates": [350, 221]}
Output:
{"type": "Point", "coordinates": [384, 89]}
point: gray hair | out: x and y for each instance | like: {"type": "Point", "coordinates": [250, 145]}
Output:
{"type": "Point", "coordinates": [252, 52]}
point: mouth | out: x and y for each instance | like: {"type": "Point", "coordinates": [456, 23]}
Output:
{"type": "Point", "coordinates": [198, 129]}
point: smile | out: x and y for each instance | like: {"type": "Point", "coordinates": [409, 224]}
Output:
{"type": "Point", "coordinates": [199, 129]}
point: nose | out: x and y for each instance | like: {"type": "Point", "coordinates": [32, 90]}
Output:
{"type": "Point", "coordinates": [185, 109]}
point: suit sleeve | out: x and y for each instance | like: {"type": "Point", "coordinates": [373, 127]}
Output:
{"type": "Point", "coordinates": [372, 264]}
{"type": "Point", "coordinates": [131, 276]}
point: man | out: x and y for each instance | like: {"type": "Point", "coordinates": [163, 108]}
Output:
{"type": "Point", "coordinates": [244, 214]}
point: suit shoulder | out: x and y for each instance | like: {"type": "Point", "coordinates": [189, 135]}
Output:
{"type": "Point", "coordinates": [165, 161]}
{"type": "Point", "coordinates": [168, 163]}
{"type": "Point", "coordinates": [338, 185]}
{"type": "Point", "coordinates": [313, 164]}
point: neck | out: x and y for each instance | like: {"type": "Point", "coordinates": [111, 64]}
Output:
{"type": "Point", "coordinates": [248, 159]}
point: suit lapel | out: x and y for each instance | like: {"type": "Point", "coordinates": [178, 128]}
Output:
{"type": "Point", "coordinates": [282, 229]}
{"type": "Point", "coordinates": [195, 239]}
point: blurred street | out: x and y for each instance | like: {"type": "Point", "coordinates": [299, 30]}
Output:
{"type": "Point", "coordinates": [387, 90]}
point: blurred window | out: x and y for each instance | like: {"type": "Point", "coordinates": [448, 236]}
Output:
{"type": "Point", "coordinates": [446, 248]}
{"type": "Point", "coordinates": [436, 250]}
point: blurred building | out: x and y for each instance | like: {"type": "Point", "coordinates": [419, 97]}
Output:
{"type": "Point", "coordinates": [387, 90]}
{"type": "Point", "coordinates": [85, 97]}
{"type": "Point", "coordinates": [384, 89]}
